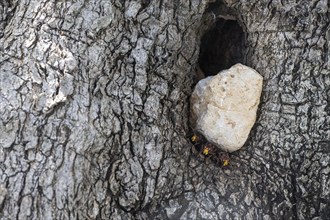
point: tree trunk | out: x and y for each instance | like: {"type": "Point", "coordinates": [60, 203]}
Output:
{"type": "Point", "coordinates": [95, 111]}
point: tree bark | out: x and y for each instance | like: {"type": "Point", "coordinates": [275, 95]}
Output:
{"type": "Point", "coordinates": [95, 111]}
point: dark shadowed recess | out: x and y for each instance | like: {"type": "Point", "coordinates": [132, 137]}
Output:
{"type": "Point", "coordinates": [7, 11]}
{"type": "Point", "coordinates": [222, 46]}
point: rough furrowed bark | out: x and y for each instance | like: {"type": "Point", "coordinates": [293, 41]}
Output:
{"type": "Point", "coordinates": [94, 106]}
{"type": "Point", "coordinates": [283, 171]}
{"type": "Point", "coordinates": [94, 112]}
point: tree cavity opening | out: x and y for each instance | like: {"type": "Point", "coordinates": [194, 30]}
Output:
{"type": "Point", "coordinates": [221, 47]}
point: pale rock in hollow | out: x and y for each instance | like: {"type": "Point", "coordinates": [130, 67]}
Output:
{"type": "Point", "coordinates": [224, 106]}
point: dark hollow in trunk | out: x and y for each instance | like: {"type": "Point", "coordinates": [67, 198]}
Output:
{"type": "Point", "coordinates": [221, 47]}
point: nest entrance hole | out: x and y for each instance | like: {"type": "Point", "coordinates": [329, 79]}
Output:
{"type": "Point", "coordinates": [221, 47]}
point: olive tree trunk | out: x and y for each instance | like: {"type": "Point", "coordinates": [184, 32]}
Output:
{"type": "Point", "coordinates": [94, 117]}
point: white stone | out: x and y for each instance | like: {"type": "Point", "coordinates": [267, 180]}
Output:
{"type": "Point", "coordinates": [224, 106]}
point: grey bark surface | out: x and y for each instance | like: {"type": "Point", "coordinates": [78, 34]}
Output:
{"type": "Point", "coordinates": [95, 112]}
